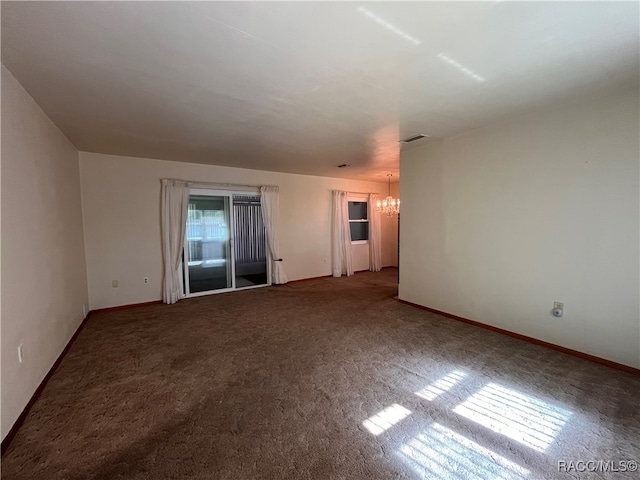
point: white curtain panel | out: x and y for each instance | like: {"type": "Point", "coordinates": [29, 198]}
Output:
{"type": "Point", "coordinates": [342, 262]}
{"type": "Point", "coordinates": [174, 206]}
{"type": "Point", "coordinates": [269, 205]}
{"type": "Point", "coordinates": [375, 240]}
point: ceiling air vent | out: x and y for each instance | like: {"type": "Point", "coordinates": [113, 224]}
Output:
{"type": "Point", "coordinates": [414, 138]}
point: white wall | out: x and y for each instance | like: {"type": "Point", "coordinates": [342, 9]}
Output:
{"type": "Point", "coordinates": [499, 223]}
{"type": "Point", "coordinates": [121, 210]}
{"type": "Point", "coordinates": [43, 264]}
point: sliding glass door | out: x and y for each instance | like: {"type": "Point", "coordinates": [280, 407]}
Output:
{"type": "Point", "coordinates": [225, 242]}
{"type": "Point", "coordinates": [208, 244]}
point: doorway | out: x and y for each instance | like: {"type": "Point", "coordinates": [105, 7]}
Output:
{"type": "Point", "coordinates": [225, 243]}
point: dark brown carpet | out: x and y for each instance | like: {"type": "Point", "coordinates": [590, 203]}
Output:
{"type": "Point", "coordinates": [326, 379]}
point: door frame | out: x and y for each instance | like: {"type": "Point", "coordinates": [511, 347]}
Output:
{"type": "Point", "coordinates": [213, 192]}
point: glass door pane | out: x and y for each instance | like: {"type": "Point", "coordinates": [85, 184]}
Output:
{"type": "Point", "coordinates": [208, 243]}
{"type": "Point", "coordinates": [250, 242]}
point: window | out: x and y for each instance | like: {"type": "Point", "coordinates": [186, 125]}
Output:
{"type": "Point", "coordinates": [206, 225]}
{"type": "Point", "coordinates": [358, 222]}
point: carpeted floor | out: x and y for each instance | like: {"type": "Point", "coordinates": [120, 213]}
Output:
{"type": "Point", "coordinates": [324, 379]}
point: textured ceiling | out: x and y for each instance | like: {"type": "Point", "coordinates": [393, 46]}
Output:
{"type": "Point", "coordinates": [303, 87]}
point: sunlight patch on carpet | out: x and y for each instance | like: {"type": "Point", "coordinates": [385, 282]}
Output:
{"type": "Point", "coordinates": [440, 453]}
{"type": "Point", "coordinates": [386, 419]}
{"type": "Point", "coordinates": [440, 386]}
{"type": "Point", "coordinates": [521, 417]}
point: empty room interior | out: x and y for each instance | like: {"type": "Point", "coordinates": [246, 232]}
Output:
{"type": "Point", "coordinates": [320, 240]}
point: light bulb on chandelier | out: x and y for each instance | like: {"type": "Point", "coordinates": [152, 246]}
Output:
{"type": "Point", "coordinates": [389, 205]}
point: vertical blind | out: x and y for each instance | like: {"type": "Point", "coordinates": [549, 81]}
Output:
{"type": "Point", "coordinates": [250, 237]}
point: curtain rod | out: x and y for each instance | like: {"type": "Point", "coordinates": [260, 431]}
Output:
{"type": "Point", "coordinates": [363, 193]}
{"type": "Point", "coordinates": [216, 184]}
{"type": "Point", "coordinates": [238, 185]}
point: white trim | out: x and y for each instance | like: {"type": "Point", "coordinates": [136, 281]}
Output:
{"type": "Point", "coordinates": [210, 292]}
{"type": "Point", "coordinates": [226, 290]}
{"type": "Point", "coordinates": [249, 287]}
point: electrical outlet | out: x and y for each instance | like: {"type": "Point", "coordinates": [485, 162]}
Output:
{"type": "Point", "coordinates": [20, 353]}
{"type": "Point", "coordinates": [559, 305]}
{"type": "Point", "coordinates": [145, 280]}
{"type": "Point", "coordinates": [114, 283]}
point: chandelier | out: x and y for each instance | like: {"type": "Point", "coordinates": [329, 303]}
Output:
{"type": "Point", "coordinates": [389, 205]}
